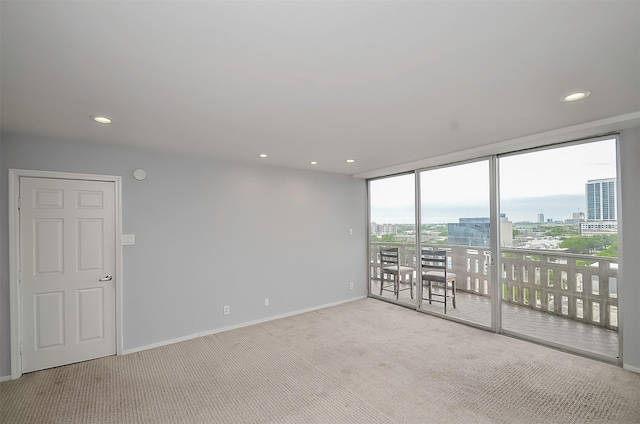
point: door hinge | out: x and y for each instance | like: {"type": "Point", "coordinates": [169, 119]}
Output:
{"type": "Point", "coordinates": [19, 203]}
{"type": "Point", "coordinates": [20, 348]}
{"type": "Point", "coordinates": [19, 276]}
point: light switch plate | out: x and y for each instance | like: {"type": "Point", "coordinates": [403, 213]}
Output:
{"type": "Point", "coordinates": [128, 239]}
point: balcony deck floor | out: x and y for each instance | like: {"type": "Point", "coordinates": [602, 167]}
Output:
{"type": "Point", "coordinates": [526, 321]}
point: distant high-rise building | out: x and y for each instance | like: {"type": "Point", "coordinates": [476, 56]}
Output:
{"type": "Point", "coordinates": [601, 207]}
{"type": "Point", "coordinates": [477, 232]}
{"type": "Point", "coordinates": [577, 218]}
{"type": "Point", "coordinates": [382, 229]}
{"type": "Point", "coordinates": [541, 217]}
{"type": "Point", "coordinates": [601, 199]}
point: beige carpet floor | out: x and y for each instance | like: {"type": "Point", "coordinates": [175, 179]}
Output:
{"type": "Point", "coordinates": [361, 362]}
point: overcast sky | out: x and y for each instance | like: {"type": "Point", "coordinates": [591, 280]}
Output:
{"type": "Point", "coordinates": [551, 182]}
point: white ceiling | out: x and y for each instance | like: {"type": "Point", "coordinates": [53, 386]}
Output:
{"type": "Point", "coordinates": [384, 83]}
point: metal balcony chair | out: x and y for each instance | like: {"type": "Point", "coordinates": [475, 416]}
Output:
{"type": "Point", "coordinates": [440, 284]}
{"type": "Point", "coordinates": [389, 261]}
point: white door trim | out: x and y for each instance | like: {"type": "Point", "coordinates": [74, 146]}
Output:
{"type": "Point", "coordinates": [14, 255]}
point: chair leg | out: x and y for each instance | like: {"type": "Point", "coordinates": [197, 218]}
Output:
{"type": "Point", "coordinates": [453, 289]}
{"type": "Point", "coordinates": [381, 282]}
{"type": "Point", "coordinates": [411, 284]}
{"type": "Point", "coordinates": [429, 292]}
{"type": "Point", "coordinates": [446, 296]}
{"type": "Point", "coordinates": [396, 286]}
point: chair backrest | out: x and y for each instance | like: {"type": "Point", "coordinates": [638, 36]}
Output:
{"type": "Point", "coordinates": [389, 257]}
{"type": "Point", "coordinates": [433, 260]}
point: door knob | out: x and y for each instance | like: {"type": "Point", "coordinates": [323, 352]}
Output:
{"type": "Point", "coordinates": [107, 278]}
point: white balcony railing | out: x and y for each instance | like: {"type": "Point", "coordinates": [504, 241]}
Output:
{"type": "Point", "coordinates": [579, 287]}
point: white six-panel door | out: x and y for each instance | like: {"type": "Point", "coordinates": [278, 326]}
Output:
{"type": "Point", "coordinates": [67, 271]}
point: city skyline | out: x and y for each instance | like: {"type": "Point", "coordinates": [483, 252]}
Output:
{"type": "Point", "coordinates": [550, 182]}
{"type": "Point", "coordinates": [560, 207]}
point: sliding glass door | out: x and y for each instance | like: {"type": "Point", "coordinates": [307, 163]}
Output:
{"type": "Point", "coordinates": [392, 246]}
{"type": "Point", "coordinates": [455, 218]}
{"type": "Point", "coordinates": [559, 271]}
{"type": "Point", "coordinates": [528, 241]}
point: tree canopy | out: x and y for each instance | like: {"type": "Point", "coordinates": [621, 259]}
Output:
{"type": "Point", "coordinates": [389, 238]}
{"type": "Point", "coordinates": [560, 231]}
{"type": "Point", "coordinates": [592, 244]}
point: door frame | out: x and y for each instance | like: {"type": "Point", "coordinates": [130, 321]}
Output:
{"type": "Point", "coordinates": [14, 255]}
{"type": "Point", "coordinates": [493, 215]}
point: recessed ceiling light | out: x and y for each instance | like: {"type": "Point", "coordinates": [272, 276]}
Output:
{"type": "Point", "coordinates": [314, 163]}
{"type": "Point", "coordinates": [263, 155]}
{"type": "Point", "coordinates": [576, 95]}
{"type": "Point", "coordinates": [101, 119]}
{"type": "Point", "coordinates": [350, 160]}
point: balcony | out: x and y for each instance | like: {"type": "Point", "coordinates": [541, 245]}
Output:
{"type": "Point", "coordinates": [559, 297]}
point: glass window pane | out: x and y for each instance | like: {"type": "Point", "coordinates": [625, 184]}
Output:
{"type": "Point", "coordinates": [392, 208]}
{"type": "Point", "coordinates": [563, 205]}
{"type": "Point", "coordinates": [455, 217]}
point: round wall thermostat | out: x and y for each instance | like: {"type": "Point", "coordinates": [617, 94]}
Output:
{"type": "Point", "coordinates": [139, 174]}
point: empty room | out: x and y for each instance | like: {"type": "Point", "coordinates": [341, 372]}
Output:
{"type": "Point", "coordinates": [319, 212]}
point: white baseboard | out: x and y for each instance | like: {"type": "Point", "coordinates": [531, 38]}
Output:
{"type": "Point", "coordinates": [631, 368]}
{"type": "Point", "coordinates": [4, 378]}
{"type": "Point", "coordinates": [233, 327]}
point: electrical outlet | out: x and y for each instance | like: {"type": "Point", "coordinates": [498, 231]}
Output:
{"type": "Point", "coordinates": [350, 286]}
{"type": "Point", "coordinates": [266, 301]}
{"type": "Point", "coordinates": [226, 310]}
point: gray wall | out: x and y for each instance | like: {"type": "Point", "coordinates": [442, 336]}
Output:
{"type": "Point", "coordinates": [5, 363]}
{"type": "Point", "coordinates": [210, 233]}
{"type": "Point", "coordinates": [629, 291]}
